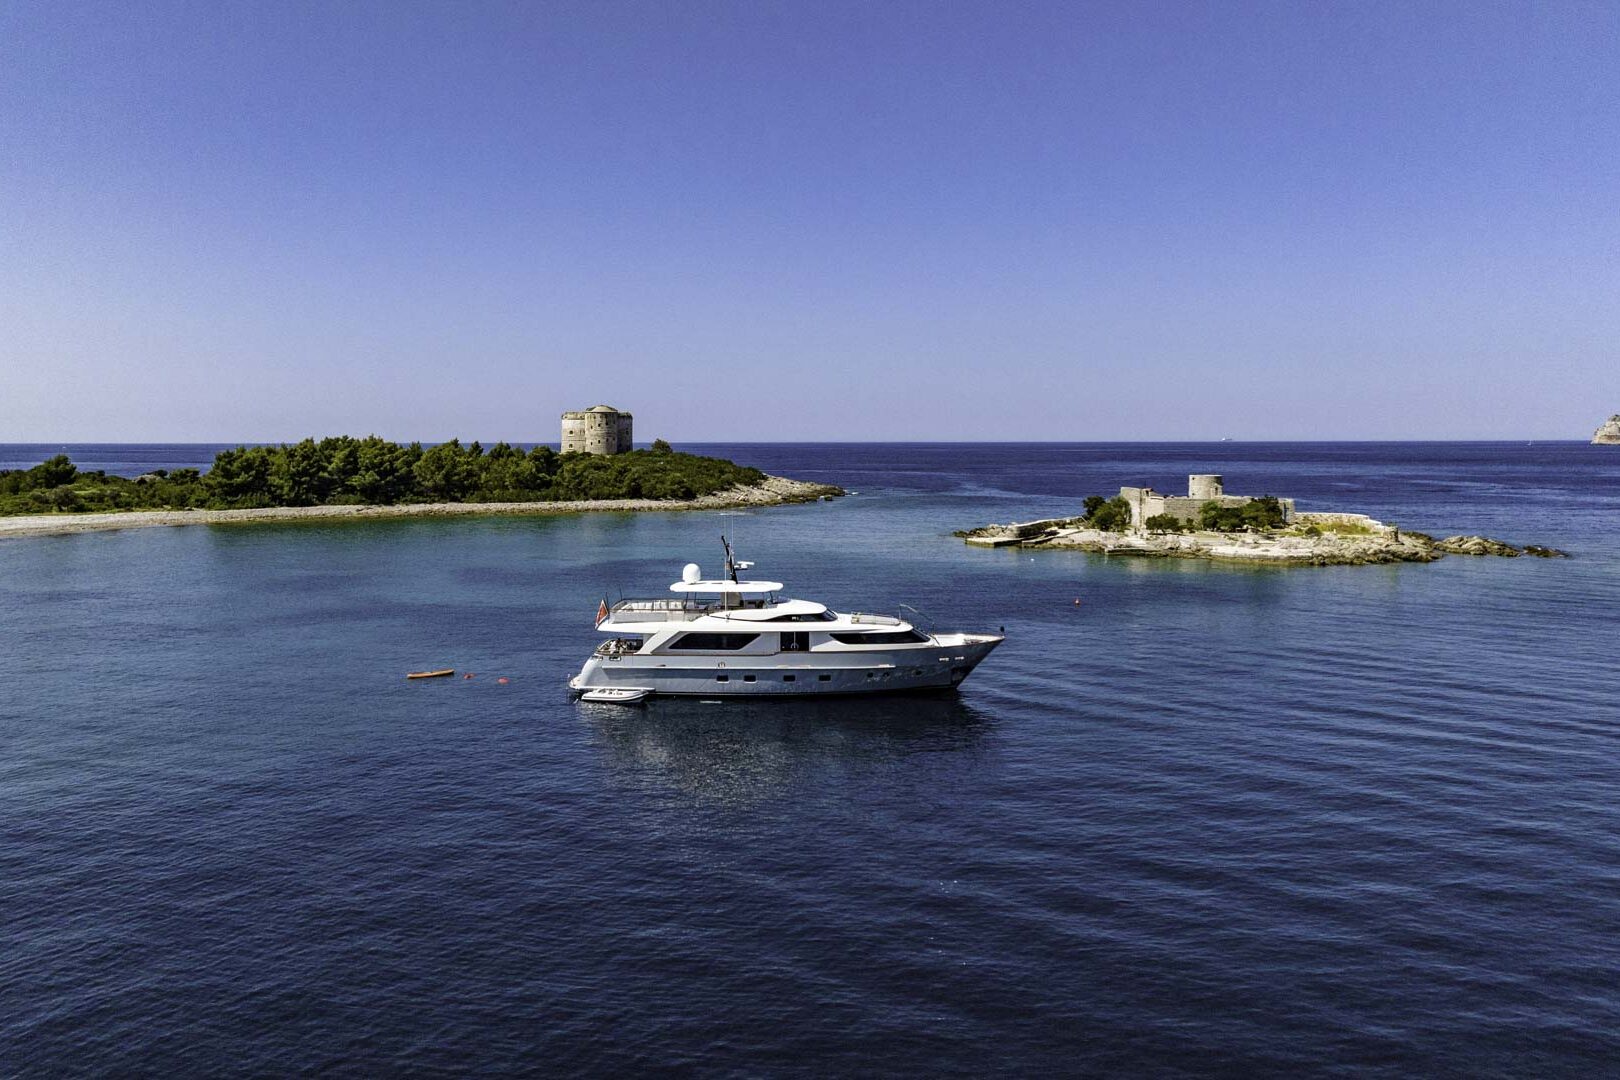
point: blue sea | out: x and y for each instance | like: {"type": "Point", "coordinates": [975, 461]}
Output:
{"type": "Point", "coordinates": [1209, 820]}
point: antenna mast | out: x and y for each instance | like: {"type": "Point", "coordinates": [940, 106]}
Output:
{"type": "Point", "coordinates": [731, 565]}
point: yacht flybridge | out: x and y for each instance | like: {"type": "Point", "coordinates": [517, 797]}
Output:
{"type": "Point", "coordinates": [731, 638]}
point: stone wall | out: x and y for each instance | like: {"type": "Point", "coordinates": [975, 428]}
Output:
{"type": "Point", "coordinates": [1144, 502]}
{"type": "Point", "coordinates": [1187, 508]}
{"type": "Point", "coordinates": [1024, 530]}
{"type": "Point", "coordinates": [1362, 521]}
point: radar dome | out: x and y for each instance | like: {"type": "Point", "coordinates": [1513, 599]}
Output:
{"type": "Point", "coordinates": [691, 573]}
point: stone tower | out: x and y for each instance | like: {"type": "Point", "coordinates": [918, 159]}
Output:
{"type": "Point", "coordinates": [600, 429]}
{"type": "Point", "coordinates": [1204, 486]}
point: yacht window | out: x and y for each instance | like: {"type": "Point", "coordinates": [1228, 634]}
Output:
{"type": "Point", "coordinates": [722, 678]}
{"type": "Point", "coordinates": [824, 678]}
{"type": "Point", "coordinates": [819, 616]}
{"type": "Point", "coordinates": [748, 678]}
{"type": "Point", "coordinates": [882, 637]}
{"type": "Point", "coordinates": [788, 678]}
{"type": "Point", "coordinates": [713, 642]}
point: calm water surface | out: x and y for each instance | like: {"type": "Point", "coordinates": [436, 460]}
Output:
{"type": "Point", "coordinates": [1211, 820]}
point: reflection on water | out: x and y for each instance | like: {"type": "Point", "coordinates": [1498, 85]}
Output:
{"type": "Point", "coordinates": [738, 751]}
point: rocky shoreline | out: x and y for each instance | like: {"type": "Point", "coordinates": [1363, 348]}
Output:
{"type": "Point", "coordinates": [773, 491]}
{"type": "Point", "coordinates": [1608, 434]}
{"type": "Point", "coordinates": [1277, 548]}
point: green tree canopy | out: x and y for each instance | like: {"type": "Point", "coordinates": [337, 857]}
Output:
{"type": "Point", "coordinates": [373, 470]}
{"type": "Point", "coordinates": [1164, 523]}
{"type": "Point", "coordinates": [1110, 515]}
{"type": "Point", "coordinates": [1266, 512]}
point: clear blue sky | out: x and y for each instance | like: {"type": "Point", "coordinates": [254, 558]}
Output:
{"type": "Point", "coordinates": [752, 220]}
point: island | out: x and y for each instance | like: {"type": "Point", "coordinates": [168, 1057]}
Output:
{"type": "Point", "coordinates": [372, 477]}
{"type": "Point", "coordinates": [1609, 433]}
{"type": "Point", "coordinates": [1208, 523]}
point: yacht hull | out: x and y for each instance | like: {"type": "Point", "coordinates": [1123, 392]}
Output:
{"type": "Point", "coordinates": [942, 664]}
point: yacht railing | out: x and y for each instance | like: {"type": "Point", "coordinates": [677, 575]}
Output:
{"type": "Point", "coordinates": [676, 610]}
{"type": "Point", "coordinates": [664, 609]}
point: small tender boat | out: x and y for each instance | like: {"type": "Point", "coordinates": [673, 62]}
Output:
{"type": "Point", "coordinates": [430, 674]}
{"type": "Point", "coordinates": [617, 695]}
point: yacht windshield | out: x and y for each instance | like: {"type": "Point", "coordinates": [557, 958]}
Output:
{"type": "Point", "coordinates": [882, 637]}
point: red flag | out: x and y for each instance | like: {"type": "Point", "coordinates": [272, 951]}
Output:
{"type": "Point", "coordinates": [602, 612]}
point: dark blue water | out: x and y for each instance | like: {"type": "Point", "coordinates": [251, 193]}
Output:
{"type": "Point", "coordinates": [1213, 820]}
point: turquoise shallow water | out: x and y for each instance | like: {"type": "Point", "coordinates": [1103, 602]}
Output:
{"type": "Point", "coordinates": [1210, 820]}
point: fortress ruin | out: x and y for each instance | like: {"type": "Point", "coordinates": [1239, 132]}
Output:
{"type": "Point", "coordinates": [1201, 488]}
{"type": "Point", "coordinates": [600, 429]}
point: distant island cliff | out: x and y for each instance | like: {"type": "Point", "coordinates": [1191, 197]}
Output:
{"type": "Point", "coordinates": [1609, 433]}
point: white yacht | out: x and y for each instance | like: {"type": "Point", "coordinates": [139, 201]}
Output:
{"type": "Point", "coordinates": [731, 638]}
